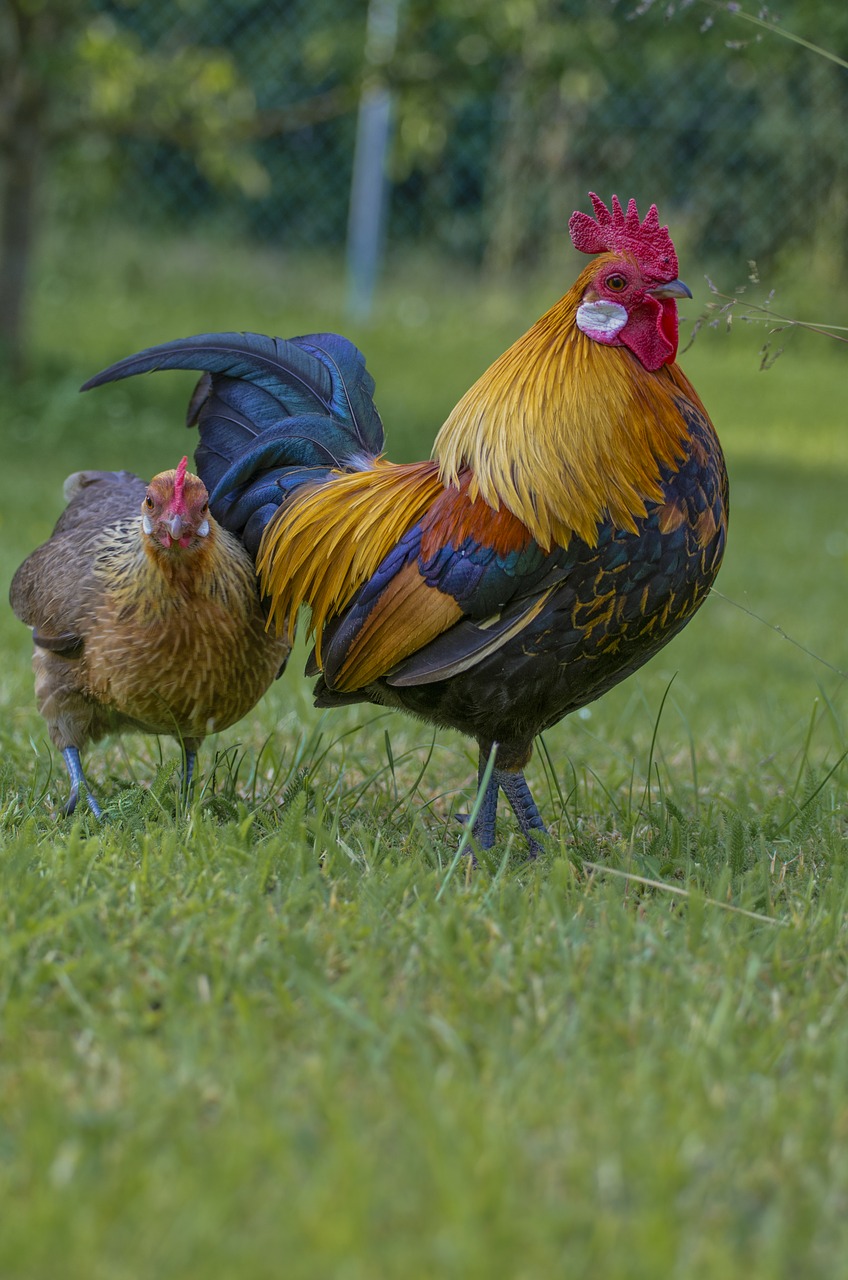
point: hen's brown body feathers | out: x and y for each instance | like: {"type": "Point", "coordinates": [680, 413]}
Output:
{"type": "Point", "coordinates": [130, 635]}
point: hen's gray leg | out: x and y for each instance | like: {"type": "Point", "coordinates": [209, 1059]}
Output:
{"type": "Point", "coordinates": [74, 766]}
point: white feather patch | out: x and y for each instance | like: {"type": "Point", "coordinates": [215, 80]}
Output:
{"type": "Point", "coordinates": [601, 319]}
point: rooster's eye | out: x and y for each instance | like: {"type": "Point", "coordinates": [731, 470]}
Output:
{"type": "Point", "coordinates": [148, 502]}
{"type": "Point", "coordinates": [616, 283]}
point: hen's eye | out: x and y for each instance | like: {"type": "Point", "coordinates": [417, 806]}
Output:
{"type": "Point", "coordinates": [148, 502]}
{"type": "Point", "coordinates": [204, 508]}
{"type": "Point", "coordinates": [616, 283]}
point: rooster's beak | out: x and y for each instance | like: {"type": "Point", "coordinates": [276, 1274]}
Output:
{"type": "Point", "coordinates": [674, 289]}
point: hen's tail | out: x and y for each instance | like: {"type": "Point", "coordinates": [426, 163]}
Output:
{"type": "Point", "coordinates": [273, 414]}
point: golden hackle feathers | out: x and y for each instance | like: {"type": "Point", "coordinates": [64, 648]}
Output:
{"type": "Point", "coordinates": [330, 539]}
{"type": "Point", "coordinates": [564, 431]}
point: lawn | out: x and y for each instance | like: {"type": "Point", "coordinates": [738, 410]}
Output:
{"type": "Point", "coordinates": [283, 1034]}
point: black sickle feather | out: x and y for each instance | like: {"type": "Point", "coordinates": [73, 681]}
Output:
{"type": "Point", "coordinates": [302, 404]}
{"type": "Point", "coordinates": [313, 374]}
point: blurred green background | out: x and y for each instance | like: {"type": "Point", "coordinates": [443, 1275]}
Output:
{"type": "Point", "coordinates": [271, 1039]}
{"type": "Point", "coordinates": [467, 131]}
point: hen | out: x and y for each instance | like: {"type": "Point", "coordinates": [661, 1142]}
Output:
{"type": "Point", "coordinates": [145, 615]}
{"type": "Point", "coordinates": [571, 521]}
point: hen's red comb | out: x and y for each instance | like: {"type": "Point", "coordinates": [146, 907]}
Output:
{"type": "Point", "coordinates": [179, 482]}
{"type": "Point", "coordinates": [620, 232]}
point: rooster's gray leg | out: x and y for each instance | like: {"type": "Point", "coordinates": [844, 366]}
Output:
{"type": "Point", "coordinates": [484, 825]}
{"type": "Point", "coordinates": [74, 766]}
{"type": "Point", "coordinates": [515, 788]}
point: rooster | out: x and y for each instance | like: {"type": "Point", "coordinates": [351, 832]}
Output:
{"type": "Point", "coordinates": [145, 615]}
{"type": "Point", "coordinates": [570, 522]}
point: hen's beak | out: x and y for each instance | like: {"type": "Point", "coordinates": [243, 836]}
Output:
{"type": "Point", "coordinates": [674, 289]}
{"type": "Point", "coordinates": [175, 526]}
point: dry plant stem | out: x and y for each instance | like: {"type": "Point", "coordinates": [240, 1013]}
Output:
{"type": "Point", "coordinates": [732, 306]}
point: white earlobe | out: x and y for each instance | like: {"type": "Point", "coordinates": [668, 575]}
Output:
{"type": "Point", "coordinates": [601, 319]}
{"type": "Point", "coordinates": [203, 529]}
{"type": "Point", "coordinates": [147, 525]}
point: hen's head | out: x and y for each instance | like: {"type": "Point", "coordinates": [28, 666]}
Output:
{"type": "Point", "coordinates": [628, 295]}
{"type": "Point", "coordinates": [175, 510]}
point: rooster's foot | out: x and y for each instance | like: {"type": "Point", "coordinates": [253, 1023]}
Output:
{"type": "Point", "coordinates": [515, 788]}
{"type": "Point", "coordinates": [517, 792]}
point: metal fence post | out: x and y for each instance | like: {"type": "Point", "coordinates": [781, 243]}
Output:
{"type": "Point", "coordinates": [369, 186]}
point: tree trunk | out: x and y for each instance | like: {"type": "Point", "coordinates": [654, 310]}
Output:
{"type": "Point", "coordinates": [17, 229]}
{"type": "Point", "coordinates": [28, 33]}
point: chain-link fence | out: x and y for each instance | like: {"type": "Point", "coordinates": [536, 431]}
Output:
{"type": "Point", "coordinates": [502, 118]}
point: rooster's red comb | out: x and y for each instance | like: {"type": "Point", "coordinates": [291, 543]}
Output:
{"type": "Point", "coordinates": [179, 482]}
{"type": "Point", "coordinates": [620, 232]}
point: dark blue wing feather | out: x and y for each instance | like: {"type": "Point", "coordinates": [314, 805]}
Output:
{"type": "Point", "coordinates": [481, 579]}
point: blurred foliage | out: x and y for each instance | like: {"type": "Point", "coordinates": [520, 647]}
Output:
{"type": "Point", "coordinates": [192, 97]}
{"type": "Point", "coordinates": [89, 71]}
{"type": "Point", "coordinates": [528, 103]}
{"type": "Point", "coordinates": [240, 116]}
{"type": "Point", "coordinates": [77, 84]}
{"type": "Point", "coordinates": [505, 114]}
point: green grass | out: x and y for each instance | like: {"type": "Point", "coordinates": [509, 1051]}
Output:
{"type": "Point", "coordinates": [282, 1034]}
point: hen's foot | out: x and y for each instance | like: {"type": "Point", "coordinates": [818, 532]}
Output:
{"type": "Point", "coordinates": [78, 780]}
